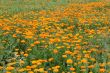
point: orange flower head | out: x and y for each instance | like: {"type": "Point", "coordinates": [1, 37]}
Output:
{"type": "Point", "coordinates": [69, 61]}
{"type": "Point", "coordinates": [72, 69]}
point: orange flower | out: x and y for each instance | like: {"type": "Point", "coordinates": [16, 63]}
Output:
{"type": "Point", "coordinates": [84, 60]}
{"type": "Point", "coordinates": [21, 70]}
{"type": "Point", "coordinates": [91, 66]}
{"type": "Point", "coordinates": [23, 41]}
{"type": "Point", "coordinates": [30, 72]}
{"type": "Point", "coordinates": [36, 42]}
{"type": "Point", "coordinates": [72, 69]}
{"type": "Point", "coordinates": [41, 70]}
{"type": "Point", "coordinates": [10, 68]}
{"type": "Point", "coordinates": [28, 67]}
{"type": "Point", "coordinates": [69, 61]}
{"type": "Point", "coordinates": [33, 66]}
{"type": "Point", "coordinates": [55, 70]}
{"type": "Point", "coordinates": [8, 72]}
{"type": "Point", "coordinates": [51, 59]}
{"type": "Point", "coordinates": [55, 51]}
{"type": "Point", "coordinates": [21, 62]}
{"type": "Point", "coordinates": [93, 59]}
{"type": "Point", "coordinates": [83, 67]}
{"type": "Point", "coordinates": [25, 55]}
{"type": "Point", "coordinates": [32, 45]}
{"type": "Point", "coordinates": [102, 65]}
{"type": "Point", "coordinates": [14, 35]}
{"type": "Point", "coordinates": [1, 67]}
{"type": "Point", "coordinates": [68, 52]}
{"type": "Point", "coordinates": [57, 66]}
{"type": "Point", "coordinates": [102, 70]}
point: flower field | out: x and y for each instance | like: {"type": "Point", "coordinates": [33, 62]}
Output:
{"type": "Point", "coordinates": [54, 36]}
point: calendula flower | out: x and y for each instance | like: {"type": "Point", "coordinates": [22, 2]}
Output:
{"type": "Point", "coordinates": [1, 67]}
{"type": "Point", "coordinates": [55, 70]}
{"type": "Point", "coordinates": [8, 72]}
{"type": "Point", "coordinates": [84, 60]}
{"type": "Point", "coordinates": [102, 65]}
{"type": "Point", "coordinates": [102, 70]}
{"type": "Point", "coordinates": [41, 69]}
{"type": "Point", "coordinates": [36, 70]}
{"type": "Point", "coordinates": [25, 54]}
{"type": "Point", "coordinates": [34, 62]}
{"type": "Point", "coordinates": [21, 70]}
{"type": "Point", "coordinates": [30, 72]}
{"type": "Point", "coordinates": [68, 52]}
{"type": "Point", "coordinates": [10, 68]}
{"type": "Point", "coordinates": [55, 51]}
{"type": "Point", "coordinates": [14, 35]}
{"type": "Point", "coordinates": [36, 42]}
{"type": "Point", "coordinates": [33, 66]}
{"type": "Point", "coordinates": [28, 67]}
{"type": "Point", "coordinates": [32, 45]}
{"type": "Point", "coordinates": [83, 67]}
{"type": "Point", "coordinates": [64, 56]}
{"type": "Point", "coordinates": [57, 66]}
{"type": "Point", "coordinates": [51, 59]}
{"type": "Point", "coordinates": [91, 66]}
{"type": "Point", "coordinates": [69, 61]}
{"type": "Point", "coordinates": [23, 41]}
{"type": "Point", "coordinates": [72, 69]}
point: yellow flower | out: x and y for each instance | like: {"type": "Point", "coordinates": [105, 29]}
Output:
{"type": "Point", "coordinates": [21, 62]}
{"type": "Point", "coordinates": [23, 41]}
{"type": "Point", "coordinates": [29, 49]}
{"type": "Point", "coordinates": [68, 52]}
{"type": "Point", "coordinates": [72, 69]}
{"type": "Point", "coordinates": [93, 59]}
{"type": "Point", "coordinates": [49, 68]}
{"type": "Point", "coordinates": [102, 70]}
{"type": "Point", "coordinates": [21, 70]}
{"type": "Point", "coordinates": [55, 51]}
{"type": "Point", "coordinates": [1, 67]}
{"type": "Point", "coordinates": [32, 45]}
{"type": "Point", "coordinates": [91, 66]}
{"type": "Point", "coordinates": [51, 59]}
{"type": "Point", "coordinates": [36, 42]}
{"type": "Point", "coordinates": [84, 51]}
{"type": "Point", "coordinates": [41, 70]}
{"type": "Point", "coordinates": [57, 66]}
{"type": "Point", "coordinates": [102, 65]}
{"type": "Point", "coordinates": [45, 71]}
{"type": "Point", "coordinates": [25, 55]}
{"type": "Point", "coordinates": [55, 70]}
{"type": "Point", "coordinates": [10, 64]}
{"type": "Point", "coordinates": [36, 70]}
{"type": "Point", "coordinates": [83, 67]}
{"type": "Point", "coordinates": [64, 56]}
{"type": "Point", "coordinates": [34, 62]}
{"type": "Point", "coordinates": [10, 68]}
{"type": "Point", "coordinates": [8, 72]}
{"type": "Point", "coordinates": [33, 66]}
{"type": "Point", "coordinates": [84, 60]}
{"type": "Point", "coordinates": [28, 67]}
{"type": "Point", "coordinates": [30, 72]}
{"type": "Point", "coordinates": [14, 36]}
{"type": "Point", "coordinates": [69, 61]}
